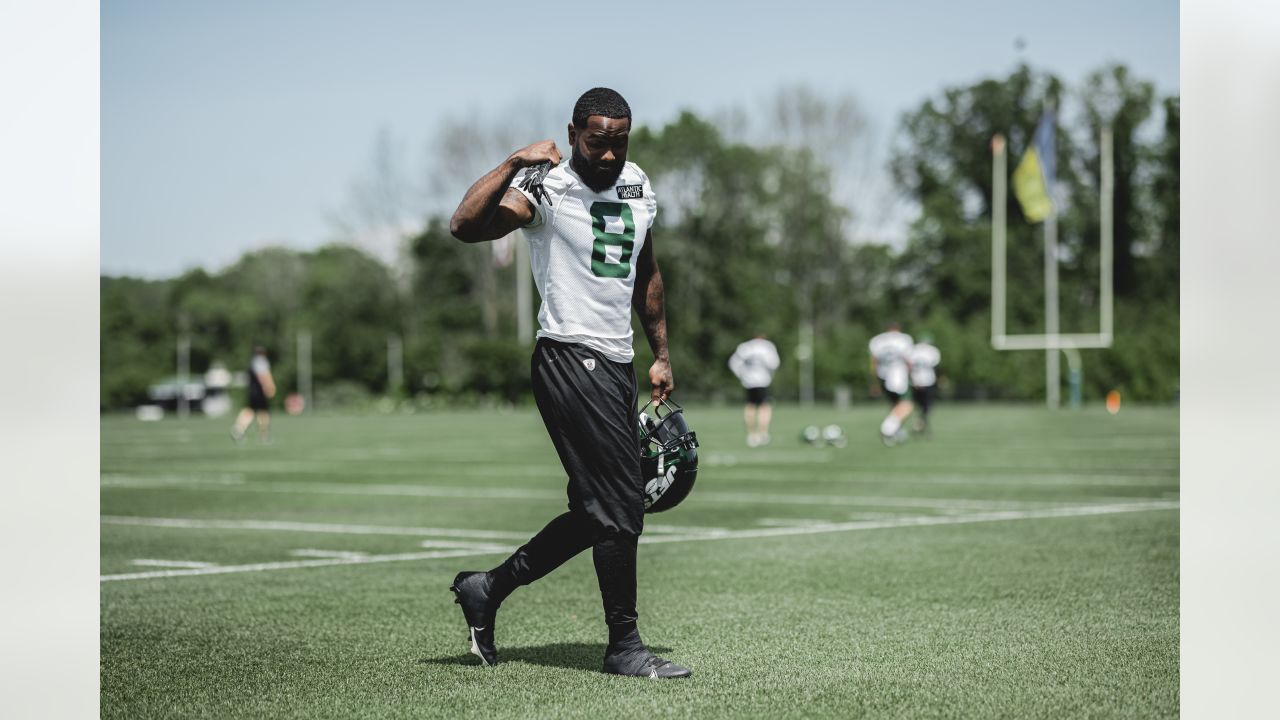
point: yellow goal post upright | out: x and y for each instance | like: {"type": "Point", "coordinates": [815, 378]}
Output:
{"type": "Point", "coordinates": [1051, 341]}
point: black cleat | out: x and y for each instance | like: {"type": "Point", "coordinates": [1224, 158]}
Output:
{"type": "Point", "coordinates": [642, 663]}
{"type": "Point", "coordinates": [471, 591]}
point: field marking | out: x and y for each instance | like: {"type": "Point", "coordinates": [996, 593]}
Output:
{"type": "Point", "coordinates": [1056, 480]}
{"type": "Point", "coordinates": [317, 553]}
{"type": "Point", "coordinates": [122, 480]}
{"type": "Point", "coordinates": [791, 522]}
{"type": "Point", "coordinates": [926, 520]}
{"type": "Point", "coordinates": [395, 490]}
{"type": "Point", "coordinates": [753, 533]}
{"type": "Point", "coordinates": [345, 529]}
{"type": "Point", "coordinates": [326, 528]}
{"type": "Point", "coordinates": [294, 564]}
{"type": "Point", "coordinates": [1136, 476]}
{"type": "Point", "coordinates": [806, 457]}
{"type": "Point", "coordinates": [456, 545]}
{"type": "Point", "coordinates": [681, 529]}
{"type": "Point", "coordinates": [509, 493]}
{"type": "Point", "coordinates": [756, 498]}
{"type": "Point", "coordinates": [150, 562]}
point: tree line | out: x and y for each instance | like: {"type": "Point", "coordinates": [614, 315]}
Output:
{"type": "Point", "coordinates": [753, 236]}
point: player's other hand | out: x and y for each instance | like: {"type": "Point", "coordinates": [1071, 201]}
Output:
{"type": "Point", "coordinates": [661, 380]}
{"type": "Point", "coordinates": [539, 152]}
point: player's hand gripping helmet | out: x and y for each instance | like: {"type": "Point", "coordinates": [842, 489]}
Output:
{"type": "Point", "coordinates": [668, 455]}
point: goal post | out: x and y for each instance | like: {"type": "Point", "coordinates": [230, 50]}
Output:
{"type": "Point", "coordinates": [1051, 341]}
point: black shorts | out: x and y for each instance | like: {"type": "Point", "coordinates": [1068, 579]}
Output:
{"type": "Point", "coordinates": [588, 404]}
{"type": "Point", "coordinates": [923, 396]}
{"type": "Point", "coordinates": [757, 395]}
{"type": "Point", "coordinates": [894, 398]}
{"type": "Point", "coordinates": [257, 398]}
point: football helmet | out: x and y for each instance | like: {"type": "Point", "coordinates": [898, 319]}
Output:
{"type": "Point", "coordinates": [668, 455]}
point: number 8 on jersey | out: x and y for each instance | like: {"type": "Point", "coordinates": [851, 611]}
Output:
{"type": "Point", "coordinates": [614, 228]}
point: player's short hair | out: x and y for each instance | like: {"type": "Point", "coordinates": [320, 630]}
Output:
{"type": "Point", "coordinates": [259, 350]}
{"type": "Point", "coordinates": [600, 101]}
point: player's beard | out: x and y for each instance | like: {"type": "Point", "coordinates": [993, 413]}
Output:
{"type": "Point", "coordinates": [596, 177]}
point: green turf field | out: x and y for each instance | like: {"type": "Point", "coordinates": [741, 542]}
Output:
{"type": "Point", "coordinates": [1019, 564]}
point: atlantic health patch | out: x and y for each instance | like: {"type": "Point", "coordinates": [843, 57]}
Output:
{"type": "Point", "coordinates": [630, 192]}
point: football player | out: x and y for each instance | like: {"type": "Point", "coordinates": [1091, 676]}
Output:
{"type": "Point", "coordinates": [923, 358]}
{"type": "Point", "coordinates": [889, 351]}
{"type": "Point", "coordinates": [754, 362]}
{"type": "Point", "coordinates": [589, 225]}
{"type": "Point", "coordinates": [262, 387]}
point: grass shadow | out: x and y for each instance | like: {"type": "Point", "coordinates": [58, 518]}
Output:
{"type": "Point", "coordinates": [569, 655]}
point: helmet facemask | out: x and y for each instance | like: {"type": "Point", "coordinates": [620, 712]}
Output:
{"type": "Point", "coordinates": [668, 455]}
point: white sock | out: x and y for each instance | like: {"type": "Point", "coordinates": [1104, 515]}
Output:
{"type": "Point", "coordinates": [890, 426]}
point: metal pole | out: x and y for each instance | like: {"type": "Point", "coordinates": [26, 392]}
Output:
{"type": "Point", "coordinates": [1105, 203]}
{"type": "Point", "coordinates": [999, 203]}
{"type": "Point", "coordinates": [304, 368]}
{"type": "Point", "coordinates": [1052, 372]}
{"type": "Point", "coordinates": [184, 369]}
{"type": "Point", "coordinates": [805, 355]}
{"type": "Point", "coordinates": [395, 364]}
{"type": "Point", "coordinates": [524, 308]}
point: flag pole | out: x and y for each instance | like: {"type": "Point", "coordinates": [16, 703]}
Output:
{"type": "Point", "coordinates": [1052, 370]}
{"type": "Point", "coordinates": [999, 179]}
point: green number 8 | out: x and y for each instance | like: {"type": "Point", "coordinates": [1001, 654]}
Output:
{"type": "Point", "coordinates": [625, 239]}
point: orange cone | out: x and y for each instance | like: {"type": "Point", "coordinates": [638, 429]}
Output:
{"type": "Point", "coordinates": [1113, 402]}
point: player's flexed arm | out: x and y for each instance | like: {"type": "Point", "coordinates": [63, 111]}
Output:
{"type": "Point", "coordinates": [491, 208]}
{"type": "Point", "coordinates": [649, 304]}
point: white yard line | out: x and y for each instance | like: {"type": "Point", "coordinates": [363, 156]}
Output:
{"type": "Point", "coordinates": [293, 564]}
{"type": "Point", "coordinates": [792, 522]}
{"type": "Point", "coordinates": [681, 529]}
{"type": "Point", "coordinates": [457, 545]}
{"type": "Point", "coordinates": [317, 553]}
{"type": "Point", "coordinates": [149, 562]}
{"type": "Point", "coordinates": [115, 479]}
{"type": "Point", "coordinates": [510, 493]}
{"type": "Point", "coordinates": [871, 500]}
{"type": "Point", "coordinates": [344, 529]}
{"type": "Point", "coordinates": [808, 457]}
{"type": "Point", "coordinates": [392, 490]}
{"type": "Point", "coordinates": [923, 520]}
{"type": "Point", "coordinates": [339, 529]}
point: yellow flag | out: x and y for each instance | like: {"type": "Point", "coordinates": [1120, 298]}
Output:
{"type": "Point", "coordinates": [1029, 187]}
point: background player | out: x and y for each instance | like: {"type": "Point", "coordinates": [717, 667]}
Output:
{"type": "Point", "coordinates": [923, 359]}
{"type": "Point", "coordinates": [589, 226]}
{"type": "Point", "coordinates": [262, 387]}
{"type": "Point", "coordinates": [754, 362]}
{"type": "Point", "coordinates": [889, 351]}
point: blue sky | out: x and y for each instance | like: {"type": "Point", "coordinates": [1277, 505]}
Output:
{"type": "Point", "coordinates": [233, 125]}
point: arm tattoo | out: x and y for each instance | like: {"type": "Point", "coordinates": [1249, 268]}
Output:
{"type": "Point", "coordinates": [653, 314]}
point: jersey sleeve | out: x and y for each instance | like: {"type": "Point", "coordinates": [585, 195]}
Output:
{"type": "Point", "coordinates": [652, 199]}
{"type": "Point", "coordinates": [736, 362]}
{"type": "Point", "coordinates": [538, 218]}
{"type": "Point", "coordinates": [259, 364]}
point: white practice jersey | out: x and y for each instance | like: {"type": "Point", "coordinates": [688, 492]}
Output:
{"type": "Point", "coordinates": [890, 349]}
{"type": "Point", "coordinates": [924, 359]}
{"type": "Point", "coordinates": [754, 362]}
{"type": "Point", "coordinates": [583, 248]}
